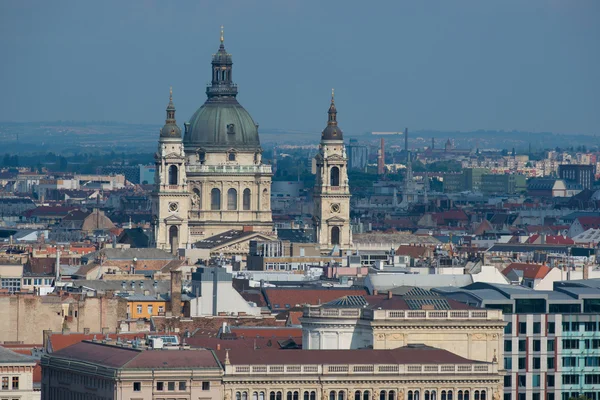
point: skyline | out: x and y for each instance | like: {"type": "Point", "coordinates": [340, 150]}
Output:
{"type": "Point", "coordinates": [468, 68]}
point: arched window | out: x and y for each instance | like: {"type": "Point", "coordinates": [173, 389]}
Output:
{"type": "Point", "coordinates": [279, 395]}
{"type": "Point", "coordinates": [460, 395]}
{"type": "Point", "coordinates": [306, 395]}
{"type": "Point", "coordinates": [246, 199]}
{"type": "Point", "coordinates": [173, 172]}
{"type": "Point", "coordinates": [313, 395]}
{"type": "Point", "coordinates": [341, 394]}
{"type": "Point", "coordinates": [392, 395]}
{"type": "Point", "coordinates": [443, 396]}
{"type": "Point", "coordinates": [476, 395]}
{"type": "Point", "coordinates": [426, 395]}
{"type": "Point", "coordinates": [289, 395]}
{"type": "Point", "coordinates": [433, 395]}
{"type": "Point", "coordinates": [416, 395]}
{"type": "Point", "coordinates": [410, 395]}
{"type": "Point", "coordinates": [357, 395]}
{"type": "Point", "coordinates": [261, 396]}
{"type": "Point", "coordinates": [296, 395]}
{"type": "Point", "coordinates": [466, 395]}
{"type": "Point", "coordinates": [483, 395]}
{"type": "Point", "coordinates": [174, 238]}
{"type": "Point", "coordinates": [382, 395]}
{"type": "Point", "coordinates": [202, 157]}
{"type": "Point", "coordinates": [238, 396]}
{"type": "Point", "coordinates": [366, 395]}
{"type": "Point", "coordinates": [335, 235]}
{"type": "Point", "coordinates": [244, 395]}
{"type": "Point", "coordinates": [231, 156]}
{"type": "Point", "coordinates": [272, 396]}
{"type": "Point", "coordinates": [254, 395]}
{"type": "Point", "coordinates": [232, 202]}
{"type": "Point", "coordinates": [215, 199]}
{"type": "Point", "coordinates": [449, 394]}
{"type": "Point", "coordinates": [332, 395]}
{"type": "Point", "coordinates": [334, 176]}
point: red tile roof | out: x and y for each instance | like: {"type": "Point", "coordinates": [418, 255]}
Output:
{"type": "Point", "coordinates": [530, 271]}
{"type": "Point", "coordinates": [118, 357]}
{"type": "Point", "coordinates": [589, 222]}
{"type": "Point", "coordinates": [415, 354]}
{"type": "Point", "coordinates": [278, 298]}
{"type": "Point", "coordinates": [551, 239]}
{"type": "Point", "coordinates": [60, 341]}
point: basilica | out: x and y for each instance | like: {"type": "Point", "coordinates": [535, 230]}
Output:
{"type": "Point", "coordinates": [211, 179]}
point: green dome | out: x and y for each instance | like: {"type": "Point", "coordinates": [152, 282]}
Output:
{"type": "Point", "coordinates": [221, 125]}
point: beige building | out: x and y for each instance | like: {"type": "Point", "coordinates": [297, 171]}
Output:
{"type": "Point", "coordinates": [418, 316]}
{"type": "Point", "coordinates": [331, 216]}
{"type": "Point", "coordinates": [415, 372]}
{"type": "Point", "coordinates": [25, 317]}
{"type": "Point", "coordinates": [98, 371]}
{"type": "Point", "coordinates": [16, 376]}
{"type": "Point", "coordinates": [212, 180]}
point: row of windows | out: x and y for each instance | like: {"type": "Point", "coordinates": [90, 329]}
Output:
{"type": "Point", "coordinates": [590, 326]}
{"type": "Point", "coordinates": [10, 384]}
{"type": "Point", "coordinates": [569, 361]}
{"type": "Point", "coordinates": [140, 309]}
{"type": "Point", "coordinates": [36, 281]}
{"type": "Point", "coordinates": [567, 379]}
{"type": "Point", "coordinates": [550, 396]}
{"type": "Point", "coordinates": [232, 199]}
{"type": "Point", "coordinates": [169, 386]}
{"type": "Point", "coordinates": [360, 395]}
{"type": "Point", "coordinates": [567, 344]}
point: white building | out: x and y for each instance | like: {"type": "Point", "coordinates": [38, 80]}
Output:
{"type": "Point", "coordinates": [16, 376]}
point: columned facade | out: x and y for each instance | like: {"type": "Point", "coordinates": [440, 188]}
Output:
{"type": "Point", "coordinates": [331, 216]}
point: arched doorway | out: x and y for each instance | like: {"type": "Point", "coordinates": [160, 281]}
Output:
{"type": "Point", "coordinates": [334, 178]}
{"type": "Point", "coordinates": [335, 235]}
{"type": "Point", "coordinates": [173, 174]}
{"type": "Point", "coordinates": [174, 238]}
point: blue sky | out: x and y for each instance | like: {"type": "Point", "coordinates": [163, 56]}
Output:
{"type": "Point", "coordinates": [444, 65]}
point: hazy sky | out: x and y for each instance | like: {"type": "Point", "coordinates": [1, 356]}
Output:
{"type": "Point", "coordinates": [444, 65]}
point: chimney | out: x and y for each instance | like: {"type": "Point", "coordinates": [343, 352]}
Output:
{"type": "Point", "coordinates": [247, 228]}
{"type": "Point", "coordinates": [86, 331]}
{"type": "Point", "coordinates": [66, 331]}
{"type": "Point", "coordinates": [175, 301]}
{"type": "Point", "coordinates": [375, 292]}
{"type": "Point", "coordinates": [390, 294]}
{"type": "Point", "coordinates": [586, 271]}
{"type": "Point", "coordinates": [218, 346]}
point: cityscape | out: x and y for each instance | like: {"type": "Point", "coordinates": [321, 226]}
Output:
{"type": "Point", "coordinates": [367, 243]}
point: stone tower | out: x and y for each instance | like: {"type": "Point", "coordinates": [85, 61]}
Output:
{"type": "Point", "coordinates": [171, 199]}
{"type": "Point", "coordinates": [332, 194]}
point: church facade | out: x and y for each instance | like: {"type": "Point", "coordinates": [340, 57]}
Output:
{"type": "Point", "coordinates": [211, 179]}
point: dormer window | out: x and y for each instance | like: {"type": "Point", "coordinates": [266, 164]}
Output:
{"type": "Point", "coordinates": [202, 156]}
{"type": "Point", "coordinates": [231, 129]}
{"type": "Point", "coordinates": [231, 156]}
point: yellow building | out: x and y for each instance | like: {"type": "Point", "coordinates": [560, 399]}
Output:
{"type": "Point", "coordinates": [146, 307]}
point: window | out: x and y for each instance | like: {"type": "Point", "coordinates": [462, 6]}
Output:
{"type": "Point", "coordinates": [206, 386]}
{"type": "Point", "coordinates": [549, 396]}
{"type": "Point", "coordinates": [171, 386]}
{"type": "Point", "coordinates": [232, 199]}
{"type": "Point", "coordinates": [508, 363]}
{"type": "Point", "coordinates": [570, 344]}
{"type": "Point", "coordinates": [592, 343]}
{"type": "Point", "coordinates": [592, 361]}
{"type": "Point", "coordinates": [246, 202]}
{"type": "Point", "coordinates": [160, 386]}
{"type": "Point", "coordinates": [150, 309]}
{"type": "Point", "coordinates": [522, 328]}
{"type": "Point", "coordinates": [591, 326]}
{"type": "Point", "coordinates": [537, 327]}
{"type": "Point", "coordinates": [569, 361]}
{"type": "Point", "coordinates": [521, 362]}
{"type": "Point", "coordinates": [508, 328]}
{"type": "Point", "coordinates": [139, 308]}
{"type": "Point", "coordinates": [161, 309]}
{"type": "Point", "coordinates": [335, 235]}
{"type": "Point", "coordinates": [231, 156]}
{"type": "Point", "coordinates": [522, 380]}
{"type": "Point", "coordinates": [550, 380]}
{"type": "Point", "coordinates": [536, 363]}
{"type": "Point", "coordinates": [173, 171]}
{"type": "Point", "coordinates": [522, 344]}
{"type": "Point", "coordinates": [508, 345]}
{"type": "Point", "coordinates": [334, 177]}
{"type": "Point", "coordinates": [570, 379]}
{"type": "Point", "coordinates": [15, 383]}
{"type": "Point", "coordinates": [202, 156]}
{"type": "Point", "coordinates": [592, 379]}
{"type": "Point", "coordinates": [182, 385]}
{"type": "Point", "coordinates": [537, 345]}
{"type": "Point", "coordinates": [215, 199]}
{"type": "Point", "coordinates": [27, 282]}
{"type": "Point", "coordinates": [137, 386]}
{"type": "Point", "coordinates": [522, 396]}
{"type": "Point", "coordinates": [507, 381]}
{"type": "Point", "coordinates": [550, 345]}
{"type": "Point", "coordinates": [535, 396]}
{"type": "Point", "coordinates": [551, 327]}
{"type": "Point", "coordinates": [535, 380]}
{"type": "Point", "coordinates": [550, 362]}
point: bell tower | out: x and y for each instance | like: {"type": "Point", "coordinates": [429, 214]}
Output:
{"type": "Point", "coordinates": [332, 194]}
{"type": "Point", "coordinates": [171, 198]}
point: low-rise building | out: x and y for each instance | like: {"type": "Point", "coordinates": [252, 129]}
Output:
{"type": "Point", "coordinates": [16, 376]}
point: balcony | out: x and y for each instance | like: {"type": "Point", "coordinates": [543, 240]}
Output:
{"type": "Point", "coordinates": [228, 169]}
{"type": "Point", "coordinates": [344, 313]}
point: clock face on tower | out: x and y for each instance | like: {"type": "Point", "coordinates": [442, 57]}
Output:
{"type": "Point", "coordinates": [173, 207]}
{"type": "Point", "coordinates": [335, 208]}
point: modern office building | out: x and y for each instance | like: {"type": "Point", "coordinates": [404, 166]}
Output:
{"type": "Point", "coordinates": [581, 174]}
{"type": "Point", "coordinates": [358, 156]}
{"type": "Point", "coordinates": [551, 340]}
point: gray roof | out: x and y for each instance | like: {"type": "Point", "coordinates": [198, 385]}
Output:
{"type": "Point", "coordinates": [528, 248]}
{"type": "Point", "coordinates": [129, 254]}
{"type": "Point", "coordinates": [390, 281]}
{"type": "Point", "coordinates": [102, 286]}
{"type": "Point", "coordinates": [10, 357]}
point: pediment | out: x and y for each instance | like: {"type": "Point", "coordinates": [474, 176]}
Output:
{"type": "Point", "coordinates": [174, 155]}
{"type": "Point", "coordinates": [173, 218]}
{"type": "Point", "coordinates": [336, 219]}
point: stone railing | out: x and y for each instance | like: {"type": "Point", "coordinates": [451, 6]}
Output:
{"type": "Point", "coordinates": [369, 314]}
{"type": "Point", "coordinates": [361, 369]}
{"type": "Point", "coordinates": [229, 169]}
